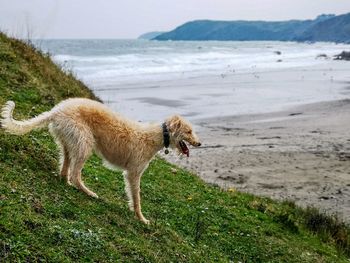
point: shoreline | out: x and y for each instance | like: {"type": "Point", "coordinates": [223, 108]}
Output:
{"type": "Point", "coordinates": [300, 154]}
{"type": "Point", "coordinates": [229, 93]}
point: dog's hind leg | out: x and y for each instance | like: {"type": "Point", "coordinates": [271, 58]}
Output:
{"type": "Point", "coordinates": [128, 191]}
{"type": "Point", "coordinates": [78, 158]}
{"type": "Point", "coordinates": [65, 163]}
{"type": "Point", "coordinates": [133, 184]}
{"type": "Point", "coordinates": [64, 154]}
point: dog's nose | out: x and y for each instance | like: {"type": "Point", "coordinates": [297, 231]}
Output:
{"type": "Point", "coordinates": [199, 144]}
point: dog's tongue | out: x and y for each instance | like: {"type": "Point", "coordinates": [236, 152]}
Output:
{"type": "Point", "coordinates": [184, 148]}
{"type": "Point", "coordinates": [186, 151]}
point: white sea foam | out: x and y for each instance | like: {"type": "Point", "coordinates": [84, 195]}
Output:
{"type": "Point", "coordinates": [211, 78]}
{"type": "Point", "coordinates": [146, 63]}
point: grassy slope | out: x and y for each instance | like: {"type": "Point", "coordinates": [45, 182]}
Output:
{"type": "Point", "coordinates": [42, 219]}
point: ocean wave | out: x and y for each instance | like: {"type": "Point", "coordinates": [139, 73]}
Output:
{"type": "Point", "coordinates": [166, 60]}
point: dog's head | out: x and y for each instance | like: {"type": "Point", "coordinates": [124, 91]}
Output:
{"type": "Point", "coordinates": [181, 131]}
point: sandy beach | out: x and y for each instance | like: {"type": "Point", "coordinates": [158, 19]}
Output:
{"type": "Point", "coordinates": [287, 136]}
{"type": "Point", "coordinates": [299, 153]}
{"type": "Point", "coordinates": [302, 154]}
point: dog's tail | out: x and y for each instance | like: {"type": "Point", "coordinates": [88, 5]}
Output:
{"type": "Point", "coordinates": [21, 127]}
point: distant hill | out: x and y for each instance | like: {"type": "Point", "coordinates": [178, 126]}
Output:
{"type": "Point", "coordinates": [334, 29]}
{"type": "Point", "coordinates": [150, 35]}
{"type": "Point", "coordinates": [323, 28]}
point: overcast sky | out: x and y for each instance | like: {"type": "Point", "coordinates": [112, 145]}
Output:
{"type": "Point", "coordinates": [130, 18]}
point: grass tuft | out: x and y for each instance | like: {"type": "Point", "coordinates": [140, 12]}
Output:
{"type": "Point", "coordinates": [328, 227]}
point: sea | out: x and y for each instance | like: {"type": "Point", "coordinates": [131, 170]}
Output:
{"type": "Point", "coordinates": [150, 80]}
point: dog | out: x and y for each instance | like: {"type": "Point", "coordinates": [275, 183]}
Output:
{"type": "Point", "coordinates": [81, 126]}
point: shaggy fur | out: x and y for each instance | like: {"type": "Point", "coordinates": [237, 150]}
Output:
{"type": "Point", "coordinates": [82, 125]}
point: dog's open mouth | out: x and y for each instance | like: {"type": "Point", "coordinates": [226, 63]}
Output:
{"type": "Point", "coordinates": [184, 148]}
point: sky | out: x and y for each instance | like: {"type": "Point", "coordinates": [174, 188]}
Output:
{"type": "Point", "coordinates": [131, 18]}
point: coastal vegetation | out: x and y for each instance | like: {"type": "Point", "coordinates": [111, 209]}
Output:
{"type": "Point", "coordinates": [44, 220]}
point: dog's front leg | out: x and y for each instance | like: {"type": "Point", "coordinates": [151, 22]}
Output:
{"type": "Point", "coordinates": [132, 185]}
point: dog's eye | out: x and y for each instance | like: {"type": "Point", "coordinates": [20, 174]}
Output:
{"type": "Point", "coordinates": [189, 132]}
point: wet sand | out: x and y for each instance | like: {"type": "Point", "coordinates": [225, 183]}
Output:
{"type": "Point", "coordinates": [301, 154]}
{"type": "Point", "coordinates": [234, 93]}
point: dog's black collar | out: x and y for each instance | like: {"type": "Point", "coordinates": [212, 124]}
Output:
{"type": "Point", "coordinates": [166, 137]}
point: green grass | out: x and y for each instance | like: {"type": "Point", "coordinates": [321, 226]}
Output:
{"type": "Point", "coordinates": [44, 220]}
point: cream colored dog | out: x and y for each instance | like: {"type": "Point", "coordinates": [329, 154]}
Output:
{"type": "Point", "coordinates": [82, 125]}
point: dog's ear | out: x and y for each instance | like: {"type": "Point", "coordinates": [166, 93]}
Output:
{"type": "Point", "coordinates": [174, 123]}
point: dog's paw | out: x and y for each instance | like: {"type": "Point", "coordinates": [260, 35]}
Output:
{"type": "Point", "coordinates": [145, 221]}
{"type": "Point", "coordinates": [94, 195]}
